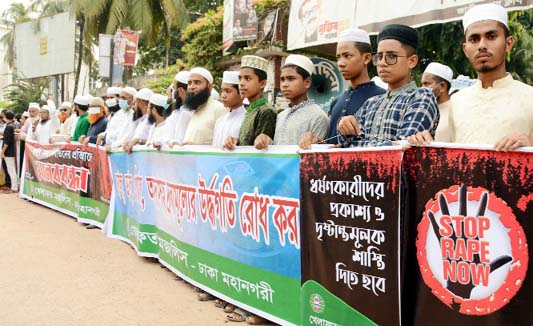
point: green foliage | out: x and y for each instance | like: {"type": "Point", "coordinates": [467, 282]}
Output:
{"type": "Point", "coordinates": [17, 13]}
{"type": "Point", "coordinates": [21, 93]}
{"type": "Point", "coordinates": [202, 40]}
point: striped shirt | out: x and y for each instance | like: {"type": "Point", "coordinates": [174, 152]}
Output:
{"type": "Point", "coordinates": [394, 116]}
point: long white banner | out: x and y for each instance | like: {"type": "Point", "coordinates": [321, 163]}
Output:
{"type": "Point", "coordinates": [317, 22]}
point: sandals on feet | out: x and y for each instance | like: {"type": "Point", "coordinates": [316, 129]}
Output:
{"type": "Point", "coordinates": [235, 317]}
{"type": "Point", "coordinates": [220, 303]}
{"type": "Point", "coordinates": [229, 308]}
{"type": "Point", "coordinates": [204, 296]}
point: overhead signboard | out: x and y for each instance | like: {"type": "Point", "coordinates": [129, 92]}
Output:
{"type": "Point", "coordinates": [45, 47]}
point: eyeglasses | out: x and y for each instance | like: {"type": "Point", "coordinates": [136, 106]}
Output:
{"type": "Point", "coordinates": [390, 58]}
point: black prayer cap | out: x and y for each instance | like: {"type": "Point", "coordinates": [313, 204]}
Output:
{"type": "Point", "coordinates": [403, 33]}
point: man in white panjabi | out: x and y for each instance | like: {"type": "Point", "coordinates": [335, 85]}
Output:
{"type": "Point", "coordinates": [181, 115]}
{"type": "Point", "coordinates": [160, 131]}
{"type": "Point", "coordinates": [230, 123]}
{"type": "Point", "coordinates": [47, 126]}
{"type": "Point", "coordinates": [439, 78]}
{"type": "Point", "coordinates": [121, 124]}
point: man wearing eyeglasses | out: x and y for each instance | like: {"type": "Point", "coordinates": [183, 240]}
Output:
{"type": "Point", "coordinates": [404, 109]}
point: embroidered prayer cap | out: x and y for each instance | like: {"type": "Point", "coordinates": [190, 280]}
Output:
{"type": "Point", "coordinates": [301, 61]}
{"type": "Point", "coordinates": [182, 77]}
{"type": "Point", "coordinates": [66, 104]}
{"type": "Point", "coordinates": [113, 90]}
{"type": "Point", "coordinates": [253, 61]}
{"type": "Point", "coordinates": [159, 100]}
{"type": "Point", "coordinates": [81, 100]}
{"type": "Point", "coordinates": [403, 33]}
{"type": "Point", "coordinates": [488, 11]}
{"type": "Point", "coordinates": [34, 105]}
{"type": "Point", "coordinates": [144, 94]}
{"type": "Point", "coordinates": [130, 90]}
{"type": "Point", "coordinates": [202, 72]}
{"type": "Point", "coordinates": [354, 35]}
{"type": "Point", "coordinates": [230, 77]}
{"type": "Point", "coordinates": [440, 70]}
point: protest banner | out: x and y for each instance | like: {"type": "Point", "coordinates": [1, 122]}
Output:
{"type": "Point", "coordinates": [350, 209]}
{"type": "Point", "coordinates": [228, 223]}
{"type": "Point", "coordinates": [467, 222]}
{"type": "Point", "coordinates": [73, 179]}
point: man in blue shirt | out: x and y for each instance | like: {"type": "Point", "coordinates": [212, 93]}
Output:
{"type": "Point", "coordinates": [354, 54]}
{"type": "Point", "coordinates": [405, 109]}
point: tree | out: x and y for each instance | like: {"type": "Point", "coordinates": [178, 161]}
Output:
{"type": "Point", "coordinates": [203, 39]}
{"type": "Point", "coordinates": [21, 93]}
{"type": "Point", "coordinates": [16, 14]}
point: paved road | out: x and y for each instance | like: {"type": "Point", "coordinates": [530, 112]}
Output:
{"type": "Point", "coordinates": [53, 271]}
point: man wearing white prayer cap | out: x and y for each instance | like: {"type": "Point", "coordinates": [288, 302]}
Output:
{"type": "Point", "coordinates": [122, 124]}
{"type": "Point", "coordinates": [113, 92]}
{"type": "Point", "coordinates": [180, 116]}
{"type": "Point", "coordinates": [206, 109]}
{"type": "Point", "coordinates": [302, 115]}
{"type": "Point", "coordinates": [33, 115]}
{"type": "Point", "coordinates": [496, 109]}
{"type": "Point", "coordinates": [439, 78]}
{"type": "Point", "coordinates": [47, 125]}
{"type": "Point", "coordinates": [160, 131]}
{"type": "Point", "coordinates": [143, 125]}
{"type": "Point", "coordinates": [230, 123]}
{"type": "Point", "coordinates": [354, 54]}
{"type": "Point", "coordinates": [81, 105]}
{"type": "Point", "coordinates": [67, 123]}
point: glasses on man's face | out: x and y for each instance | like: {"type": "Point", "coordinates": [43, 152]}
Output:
{"type": "Point", "coordinates": [390, 58]}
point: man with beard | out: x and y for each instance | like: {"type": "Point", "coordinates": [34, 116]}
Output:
{"type": "Point", "coordinates": [33, 111]}
{"type": "Point", "coordinates": [161, 130]}
{"type": "Point", "coordinates": [143, 124]}
{"type": "Point", "coordinates": [47, 126]}
{"type": "Point", "coordinates": [496, 109]}
{"type": "Point", "coordinates": [121, 125]}
{"type": "Point", "coordinates": [180, 116]}
{"type": "Point", "coordinates": [81, 105]}
{"type": "Point", "coordinates": [206, 111]}
{"type": "Point", "coordinates": [96, 119]}
{"type": "Point", "coordinates": [113, 92]}
{"type": "Point", "coordinates": [67, 122]}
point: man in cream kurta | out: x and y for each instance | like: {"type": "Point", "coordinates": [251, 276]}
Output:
{"type": "Point", "coordinates": [486, 115]}
{"type": "Point", "coordinates": [497, 109]}
{"type": "Point", "coordinates": [202, 124]}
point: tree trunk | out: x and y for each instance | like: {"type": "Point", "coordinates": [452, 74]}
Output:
{"type": "Point", "coordinates": [80, 56]}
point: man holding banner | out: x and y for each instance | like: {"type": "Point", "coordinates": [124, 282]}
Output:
{"type": "Point", "coordinates": [497, 109]}
{"type": "Point", "coordinates": [405, 109]}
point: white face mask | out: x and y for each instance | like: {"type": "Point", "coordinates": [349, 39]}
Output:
{"type": "Point", "coordinates": [111, 102]}
{"type": "Point", "coordinates": [94, 110]}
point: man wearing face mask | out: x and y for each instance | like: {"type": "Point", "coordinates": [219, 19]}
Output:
{"type": "Point", "coordinates": [438, 78]}
{"type": "Point", "coordinates": [67, 122]}
{"type": "Point", "coordinates": [143, 124]}
{"type": "Point", "coordinates": [121, 124]}
{"type": "Point", "coordinates": [96, 119]}
{"type": "Point", "coordinates": [180, 116]}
